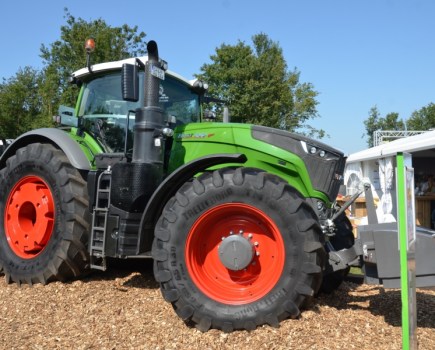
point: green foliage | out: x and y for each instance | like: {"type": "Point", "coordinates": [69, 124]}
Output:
{"type": "Point", "coordinates": [420, 120]}
{"type": "Point", "coordinates": [423, 119]}
{"type": "Point", "coordinates": [20, 103]}
{"type": "Point", "coordinates": [258, 87]}
{"type": "Point", "coordinates": [375, 122]}
{"type": "Point", "coordinates": [31, 98]}
{"type": "Point", "coordinates": [68, 54]}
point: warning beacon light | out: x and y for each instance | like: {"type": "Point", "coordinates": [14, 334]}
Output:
{"type": "Point", "coordinates": [89, 47]}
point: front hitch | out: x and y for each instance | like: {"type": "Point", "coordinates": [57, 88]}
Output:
{"type": "Point", "coordinates": [349, 256]}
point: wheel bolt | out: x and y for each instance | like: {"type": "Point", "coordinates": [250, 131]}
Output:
{"type": "Point", "coordinates": [250, 236]}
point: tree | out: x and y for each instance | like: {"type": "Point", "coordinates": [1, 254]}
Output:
{"type": "Point", "coordinates": [257, 86]}
{"type": "Point", "coordinates": [375, 122]}
{"type": "Point", "coordinates": [67, 54]}
{"type": "Point", "coordinates": [31, 98]}
{"type": "Point", "coordinates": [20, 103]}
{"type": "Point", "coordinates": [423, 119]}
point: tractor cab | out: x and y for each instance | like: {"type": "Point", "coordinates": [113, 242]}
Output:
{"type": "Point", "coordinates": [102, 111]}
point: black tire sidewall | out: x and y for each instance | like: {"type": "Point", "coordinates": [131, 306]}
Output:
{"type": "Point", "coordinates": [344, 237]}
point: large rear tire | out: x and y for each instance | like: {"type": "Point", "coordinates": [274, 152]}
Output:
{"type": "Point", "coordinates": [44, 218]}
{"type": "Point", "coordinates": [235, 249]}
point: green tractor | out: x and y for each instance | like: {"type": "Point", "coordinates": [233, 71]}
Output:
{"type": "Point", "coordinates": [240, 220]}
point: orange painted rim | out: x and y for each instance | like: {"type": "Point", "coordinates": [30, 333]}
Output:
{"type": "Point", "coordinates": [29, 217]}
{"type": "Point", "coordinates": [207, 270]}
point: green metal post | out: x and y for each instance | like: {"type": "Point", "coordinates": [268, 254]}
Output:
{"type": "Point", "coordinates": [406, 226]}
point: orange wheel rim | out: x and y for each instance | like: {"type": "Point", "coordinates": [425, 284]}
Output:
{"type": "Point", "coordinates": [29, 217]}
{"type": "Point", "coordinates": [226, 232]}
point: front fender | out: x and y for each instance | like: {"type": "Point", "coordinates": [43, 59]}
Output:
{"type": "Point", "coordinates": [170, 186]}
{"type": "Point", "coordinates": [55, 137]}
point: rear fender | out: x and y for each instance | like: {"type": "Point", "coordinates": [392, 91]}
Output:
{"type": "Point", "coordinates": [56, 137]}
{"type": "Point", "coordinates": [170, 186]}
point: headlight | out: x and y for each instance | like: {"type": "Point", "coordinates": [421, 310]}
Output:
{"type": "Point", "coordinates": [313, 150]}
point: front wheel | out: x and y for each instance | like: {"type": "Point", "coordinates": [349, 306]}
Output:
{"type": "Point", "coordinates": [343, 239]}
{"type": "Point", "coordinates": [235, 249]}
{"type": "Point", "coordinates": [44, 220]}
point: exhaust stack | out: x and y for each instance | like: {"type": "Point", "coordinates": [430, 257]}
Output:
{"type": "Point", "coordinates": [149, 120]}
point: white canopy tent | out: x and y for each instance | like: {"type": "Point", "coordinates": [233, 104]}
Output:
{"type": "Point", "coordinates": [376, 165]}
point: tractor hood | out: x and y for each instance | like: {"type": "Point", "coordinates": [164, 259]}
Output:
{"type": "Point", "coordinates": [325, 165]}
{"type": "Point", "coordinates": [308, 165]}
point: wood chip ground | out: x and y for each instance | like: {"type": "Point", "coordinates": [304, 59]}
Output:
{"type": "Point", "coordinates": [123, 309]}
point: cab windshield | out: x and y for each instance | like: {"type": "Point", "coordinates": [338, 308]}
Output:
{"type": "Point", "coordinates": [105, 113]}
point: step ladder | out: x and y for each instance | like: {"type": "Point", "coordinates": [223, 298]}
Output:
{"type": "Point", "coordinates": [99, 221]}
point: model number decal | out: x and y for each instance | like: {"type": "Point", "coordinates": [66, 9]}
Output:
{"type": "Point", "coordinates": [194, 136]}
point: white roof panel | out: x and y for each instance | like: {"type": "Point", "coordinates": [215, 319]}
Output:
{"type": "Point", "coordinates": [407, 144]}
{"type": "Point", "coordinates": [106, 66]}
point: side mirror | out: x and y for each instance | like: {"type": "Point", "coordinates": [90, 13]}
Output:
{"type": "Point", "coordinates": [66, 116]}
{"type": "Point", "coordinates": [130, 82]}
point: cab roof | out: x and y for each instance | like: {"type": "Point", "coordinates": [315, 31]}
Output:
{"type": "Point", "coordinates": [83, 73]}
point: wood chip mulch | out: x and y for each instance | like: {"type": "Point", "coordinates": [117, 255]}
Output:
{"type": "Point", "coordinates": [123, 309]}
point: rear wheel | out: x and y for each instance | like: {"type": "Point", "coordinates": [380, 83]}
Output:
{"type": "Point", "coordinates": [44, 218]}
{"type": "Point", "coordinates": [235, 249]}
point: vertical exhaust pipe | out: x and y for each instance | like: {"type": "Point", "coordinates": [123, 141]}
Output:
{"type": "Point", "coordinates": [149, 120]}
{"type": "Point", "coordinates": [151, 82]}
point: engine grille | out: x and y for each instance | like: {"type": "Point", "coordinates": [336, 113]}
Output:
{"type": "Point", "coordinates": [324, 164]}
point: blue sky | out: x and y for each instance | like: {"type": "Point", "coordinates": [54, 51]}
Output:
{"type": "Point", "coordinates": [356, 53]}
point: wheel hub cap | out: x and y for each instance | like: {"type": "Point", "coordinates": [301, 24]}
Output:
{"type": "Point", "coordinates": [236, 252]}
